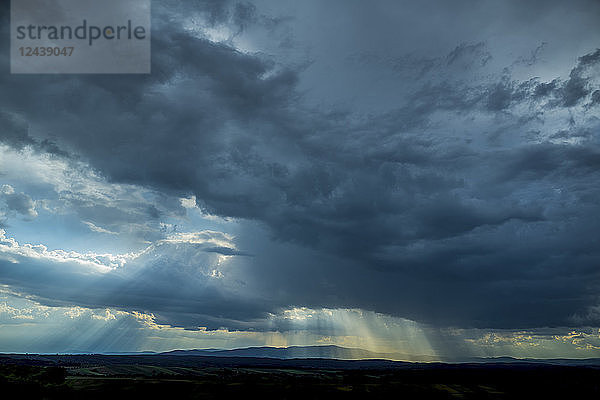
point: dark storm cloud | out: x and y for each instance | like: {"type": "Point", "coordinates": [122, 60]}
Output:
{"type": "Point", "coordinates": [545, 88]}
{"type": "Point", "coordinates": [576, 88]}
{"type": "Point", "coordinates": [226, 251]}
{"type": "Point", "coordinates": [453, 205]}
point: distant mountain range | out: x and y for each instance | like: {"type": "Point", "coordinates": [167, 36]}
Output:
{"type": "Point", "coordinates": [324, 357]}
{"type": "Point", "coordinates": [344, 353]}
{"type": "Point", "coordinates": [333, 352]}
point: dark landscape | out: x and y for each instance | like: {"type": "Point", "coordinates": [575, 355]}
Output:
{"type": "Point", "coordinates": [190, 376]}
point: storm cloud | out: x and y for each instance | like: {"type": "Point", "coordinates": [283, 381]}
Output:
{"type": "Point", "coordinates": [450, 182]}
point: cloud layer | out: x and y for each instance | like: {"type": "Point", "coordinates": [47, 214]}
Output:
{"type": "Point", "coordinates": [450, 183]}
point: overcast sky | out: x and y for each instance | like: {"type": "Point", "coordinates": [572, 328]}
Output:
{"type": "Point", "coordinates": [420, 178]}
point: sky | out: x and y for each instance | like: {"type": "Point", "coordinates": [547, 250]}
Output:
{"type": "Point", "coordinates": [416, 178]}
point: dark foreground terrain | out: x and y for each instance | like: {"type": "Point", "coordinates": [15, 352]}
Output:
{"type": "Point", "coordinates": [198, 377]}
